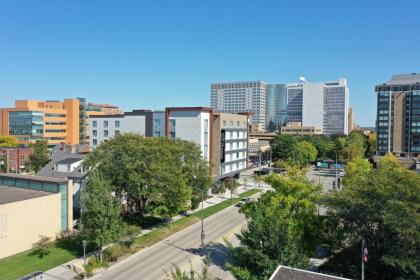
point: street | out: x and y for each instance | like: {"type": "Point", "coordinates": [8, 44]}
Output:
{"type": "Point", "coordinates": [182, 249]}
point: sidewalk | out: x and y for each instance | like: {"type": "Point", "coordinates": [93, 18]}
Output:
{"type": "Point", "coordinates": [64, 272]}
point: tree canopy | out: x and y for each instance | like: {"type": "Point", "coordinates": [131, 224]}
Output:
{"type": "Point", "coordinates": [282, 229]}
{"type": "Point", "coordinates": [39, 157]}
{"type": "Point", "coordinates": [8, 141]}
{"type": "Point", "coordinates": [380, 206]}
{"type": "Point", "coordinates": [101, 212]}
{"type": "Point", "coordinates": [154, 175]}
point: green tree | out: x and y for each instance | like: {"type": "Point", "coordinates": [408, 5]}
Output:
{"type": "Point", "coordinates": [354, 146]}
{"type": "Point", "coordinates": [39, 157]}
{"type": "Point", "coordinates": [143, 169]}
{"type": "Point", "coordinates": [305, 153]}
{"type": "Point", "coordinates": [322, 143]}
{"type": "Point", "coordinates": [101, 212]}
{"type": "Point", "coordinates": [371, 145]}
{"type": "Point", "coordinates": [231, 184]}
{"type": "Point", "coordinates": [381, 206]}
{"type": "Point", "coordinates": [8, 141]}
{"type": "Point", "coordinates": [283, 147]}
{"type": "Point", "coordinates": [282, 229]}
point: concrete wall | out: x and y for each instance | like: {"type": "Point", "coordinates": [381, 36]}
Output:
{"type": "Point", "coordinates": [23, 222]}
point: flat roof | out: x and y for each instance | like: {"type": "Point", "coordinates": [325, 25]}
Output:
{"type": "Point", "coordinates": [405, 79]}
{"type": "Point", "coordinates": [33, 178]}
{"type": "Point", "coordinates": [13, 194]}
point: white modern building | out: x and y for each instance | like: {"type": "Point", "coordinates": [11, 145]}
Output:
{"type": "Point", "coordinates": [191, 124]}
{"type": "Point", "coordinates": [240, 97]}
{"type": "Point", "coordinates": [322, 105]}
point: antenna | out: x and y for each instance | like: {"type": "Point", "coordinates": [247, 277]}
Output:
{"type": "Point", "coordinates": [303, 80]}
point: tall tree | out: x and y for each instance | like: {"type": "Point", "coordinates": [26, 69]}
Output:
{"type": "Point", "coordinates": [101, 212]}
{"type": "Point", "coordinates": [8, 141]}
{"type": "Point", "coordinates": [380, 206]}
{"type": "Point", "coordinates": [142, 170]}
{"type": "Point", "coordinates": [39, 157]}
{"type": "Point", "coordinates": [283, 147]}
{"type": "Point", "coordinates": [282, 229]}
{"type": "Point", "coordinates": [305, 153]}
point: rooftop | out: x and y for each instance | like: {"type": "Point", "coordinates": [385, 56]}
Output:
{"type": "Point", "coordinates": [289, 273]}
{"type": "Point", "coordinates": [406, 79]}
{"type": "Point", "coordinates": [33, 178]}
{"type": "Point", "coordinates": [69, 160]}
{"type": "Point", "coordinates": [12, 194]}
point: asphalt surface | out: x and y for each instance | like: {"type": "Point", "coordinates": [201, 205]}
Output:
{"type": "Point", "coordinates": [181, 249]}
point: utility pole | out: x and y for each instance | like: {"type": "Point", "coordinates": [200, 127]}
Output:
{"type": "Point", "coordinates": [202, 221]}
{"type": "Point", "coordinates": [363, 263]}
{"type": "Point", "coordinates": [336, 158]}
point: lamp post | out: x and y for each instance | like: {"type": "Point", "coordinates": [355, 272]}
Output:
{"type": "Point", "coordinates": [84, 258]}
{"type": "Point", "coordinates": [202, 235]}
{"type": "Point", "coordinates": [336, 159]}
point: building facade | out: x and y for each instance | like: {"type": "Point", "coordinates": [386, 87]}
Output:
{"type": "Point", "coordinates": [276, 105]}
{"type": "Point", "coordinates": [296, 128]}
{"type": "Point", "coordinates": [104, 127]}
{"type": "Point", "coordinates": [321, 105]}
{"type": "Point", "coordinates": [25, 216]}
{"type": "Point", "coordinates": [221, 137]}
{"type": "Point", "coordinates": [398, 116]}
{"type": "Point", "coordinates": [55, 121]}
{"type": "Point", "coordinates": [240, 97]}
{"type": "Point", "coordinates": [14, 158]}
{"type": "Point", "coordinates": [230, 138]}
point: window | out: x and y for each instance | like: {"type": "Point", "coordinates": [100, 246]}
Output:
{"type": "Point", "coordinates": [105, 123]}
{"type": "Point", "coordinates": [157, 133]}
{"type": "Point", "coordinates": [238, 123]}
{"type": "Point", "coordinates": [95, 142]}
{"type": "Point", "coordinates": [94, 133]}
{"type": "Point", "coordinates": [224, 123]}
{"type": "Point", "coordinates": [94, 123]}
{"type": "Point", "coordinates": [173, 135]}
{"type": "Point", "coordinates": [172, 122]}
{"type": "Point", "coordinates": [117, 132]}
{"type": "Point", "coordinates": [231, 123]}
{"type": "Point", "coordinates": [156, 122]}
{"type": "Point", "coordinates": [117, 123]}
{"type": "Point", "coordinates": [106, 133]}
{"type": "Point", "coordinates": [3, 225]}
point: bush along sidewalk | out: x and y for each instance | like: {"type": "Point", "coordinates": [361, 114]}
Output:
{"type": "Point", "coordinates": [121, 250]}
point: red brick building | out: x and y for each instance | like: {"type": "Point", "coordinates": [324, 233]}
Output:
{"type": "Point", "coordinates": [15, 157]}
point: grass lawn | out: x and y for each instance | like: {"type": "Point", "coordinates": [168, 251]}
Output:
{"type": "Point", "coordinates": [27, 262]}
{"type": "Point", "coordinates": [63, 251]}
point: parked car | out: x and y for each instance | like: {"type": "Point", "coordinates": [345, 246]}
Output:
{"type": "Point", "coordinates": [39, 275]}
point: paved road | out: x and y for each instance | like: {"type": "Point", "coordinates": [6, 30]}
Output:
{"type": "Point", "coordinates": [180, 249]}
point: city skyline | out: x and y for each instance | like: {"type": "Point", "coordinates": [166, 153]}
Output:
{"type": "Point", "coordinates": [157, 55]}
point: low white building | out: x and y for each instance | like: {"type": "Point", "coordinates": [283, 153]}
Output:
{"type": "Point", "coordinates": [104, 127]}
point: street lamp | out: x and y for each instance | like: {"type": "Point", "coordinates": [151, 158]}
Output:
{"type": "Point", "coordinates": [336, 159]}
{"type": "Point", "coordinates": [84, 258]}
{"type": "Point", "coordinates": [202, 236]}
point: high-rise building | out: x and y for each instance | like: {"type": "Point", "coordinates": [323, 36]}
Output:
{"type": "Point", "coordinates": [322, 105]}
{"type": "Point", "coordinates": [398, 116]}
{"type": "Point", "coordinates": [56, 121]}
{"type": "Point", "coordinates": [240, 97]}
{"type": "Point", "coordinates": [276, 105]}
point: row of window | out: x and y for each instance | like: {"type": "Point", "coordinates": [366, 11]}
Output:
{"type": "Point", "coordinates": [105, 133]}
{"type": "Point", "coordinates": [235, 135]}
{"type": "Point", "coordinates": [233, 167]}
{"type": "Point", "coordinates": [235, 146]}
{"type": "Point", "coordinates": [106, 123]}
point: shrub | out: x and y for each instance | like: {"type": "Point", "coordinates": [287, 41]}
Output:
{"type": "Point", "coordinates": [43, 245]}
{"type": "Point", "coordinates": [114, 252]}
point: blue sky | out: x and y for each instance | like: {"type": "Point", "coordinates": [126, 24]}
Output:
{"type": "Point", "coordinates": [152, 54]}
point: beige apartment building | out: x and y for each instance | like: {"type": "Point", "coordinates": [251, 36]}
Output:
{"type": "Point", "coordinates": [296, 128]}
{"type": "Point", "coordinates": [26, 216]}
